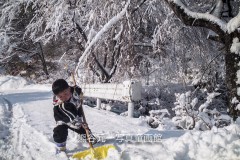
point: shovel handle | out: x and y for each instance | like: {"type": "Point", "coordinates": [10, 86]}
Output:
{"type": "Point", "coordinates": [88, 138]}
{"type": "Point", "coordinates": [84, 118]}
{"type": "Point", "coordinates": [74, 80]}
{"type": "Point", "coordinates": [86, 129]}
{"type": "Point", "coordinates": [85, 121]}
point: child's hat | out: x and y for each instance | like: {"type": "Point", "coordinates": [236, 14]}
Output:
{"type": "Point", "coordinates": [59, 85]}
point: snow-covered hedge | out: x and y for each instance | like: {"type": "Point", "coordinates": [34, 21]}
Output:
{"type": "Point", "coordinates": [190, 114]}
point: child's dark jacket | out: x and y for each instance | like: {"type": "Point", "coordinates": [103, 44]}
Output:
{"type": "Point", "coordinates": [67, 112]}
{"type": "Point", "coordinates": [67, 115]}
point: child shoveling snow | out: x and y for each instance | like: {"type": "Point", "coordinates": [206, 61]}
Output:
{"type": "Point", "coordinates": [67, 113]}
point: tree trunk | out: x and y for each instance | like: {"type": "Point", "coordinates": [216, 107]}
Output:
{"type": "Point", "coordinates": [41, 55]}
{"type": "Point", "coordinates": [231, 64]}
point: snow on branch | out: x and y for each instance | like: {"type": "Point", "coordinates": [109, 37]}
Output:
{"type": "Point", "coordinates": [98, 36]}
{"type": "Point", "coordinates": [235, 48]}
{"type": "Point", "coordinates": [207, 20]}
{"type": "Point", "coordinates": [233, 24]}
{"type": "Point", "coordinates": [197, 19]}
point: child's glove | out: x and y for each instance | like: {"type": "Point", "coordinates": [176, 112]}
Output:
{"type": "Point", "coordinates": [77, 122]}
{"type": "Point", "coordinates": [84, 125]}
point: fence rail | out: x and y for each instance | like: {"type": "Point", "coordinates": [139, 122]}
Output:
{"type": "Point", "coordinates": [128, 91]}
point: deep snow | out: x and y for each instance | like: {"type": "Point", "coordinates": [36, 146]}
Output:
{"type": "Point", "coordinates": [26, 124]}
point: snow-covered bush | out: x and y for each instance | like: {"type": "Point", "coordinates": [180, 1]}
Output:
{"type": "Point", "coordinates": [156, 117]}
{"type": "Point", "coordinates": [191, 114]}
{"type": "Point", "coordinates": [157, 97]}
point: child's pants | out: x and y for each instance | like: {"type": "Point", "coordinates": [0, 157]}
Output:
{"type": "Point", "coordinates": [60, 133]}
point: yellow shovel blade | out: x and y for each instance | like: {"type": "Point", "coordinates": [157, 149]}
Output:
{"type": "Point", "coordinates": [95, 153]}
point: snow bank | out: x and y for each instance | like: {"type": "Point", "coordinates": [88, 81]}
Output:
{"type": "Point", "coordinates": [214, 144]}
{"type": "Point", "coordinates": [3, 119]}
{"type": "Point", "coordinates": [8, 83]}
{"type": "Point", "coordinates": [12, 83]}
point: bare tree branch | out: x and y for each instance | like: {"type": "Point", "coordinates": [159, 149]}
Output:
{"type": "Point", "coordinates": [216, 38]}
{"type": "Point", "coordinates": [114, 67]}
{"type": "Point", "coordinates": [135, 9]}
{"type": "Point", "coordinates": [80, 29]}
{"type": "Point", "coordinates": [230, 14]}
{"type": "Point", "coordinates": [100, 67]}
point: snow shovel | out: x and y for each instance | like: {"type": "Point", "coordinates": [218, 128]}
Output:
{"type": "Point", "coordinates": [95, 153]}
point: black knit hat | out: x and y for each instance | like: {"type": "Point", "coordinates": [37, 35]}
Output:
{"type": "Point", "coordinates": [59, 85]}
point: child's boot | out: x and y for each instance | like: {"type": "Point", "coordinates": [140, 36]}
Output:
{"type": "Point", "coordinates": [60, 147]}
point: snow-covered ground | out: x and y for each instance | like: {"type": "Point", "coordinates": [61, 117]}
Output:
{"type": "Point", "coordinates": [26, 124]}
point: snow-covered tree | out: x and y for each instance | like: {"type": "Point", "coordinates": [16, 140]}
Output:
{"type": "Point", "coordinates": [13, 21]}
{"type": "Point", "coordinates": [161, 48]}
{"type": "Point", "coordinates": [95, 26]}
{"type": "Point", "coordinates": [224, 22]}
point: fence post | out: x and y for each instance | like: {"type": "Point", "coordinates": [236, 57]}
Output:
{"type": "Point", "coordinates": [98, 103]}
{"type": "Point", "coordinates": [130, 109]}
